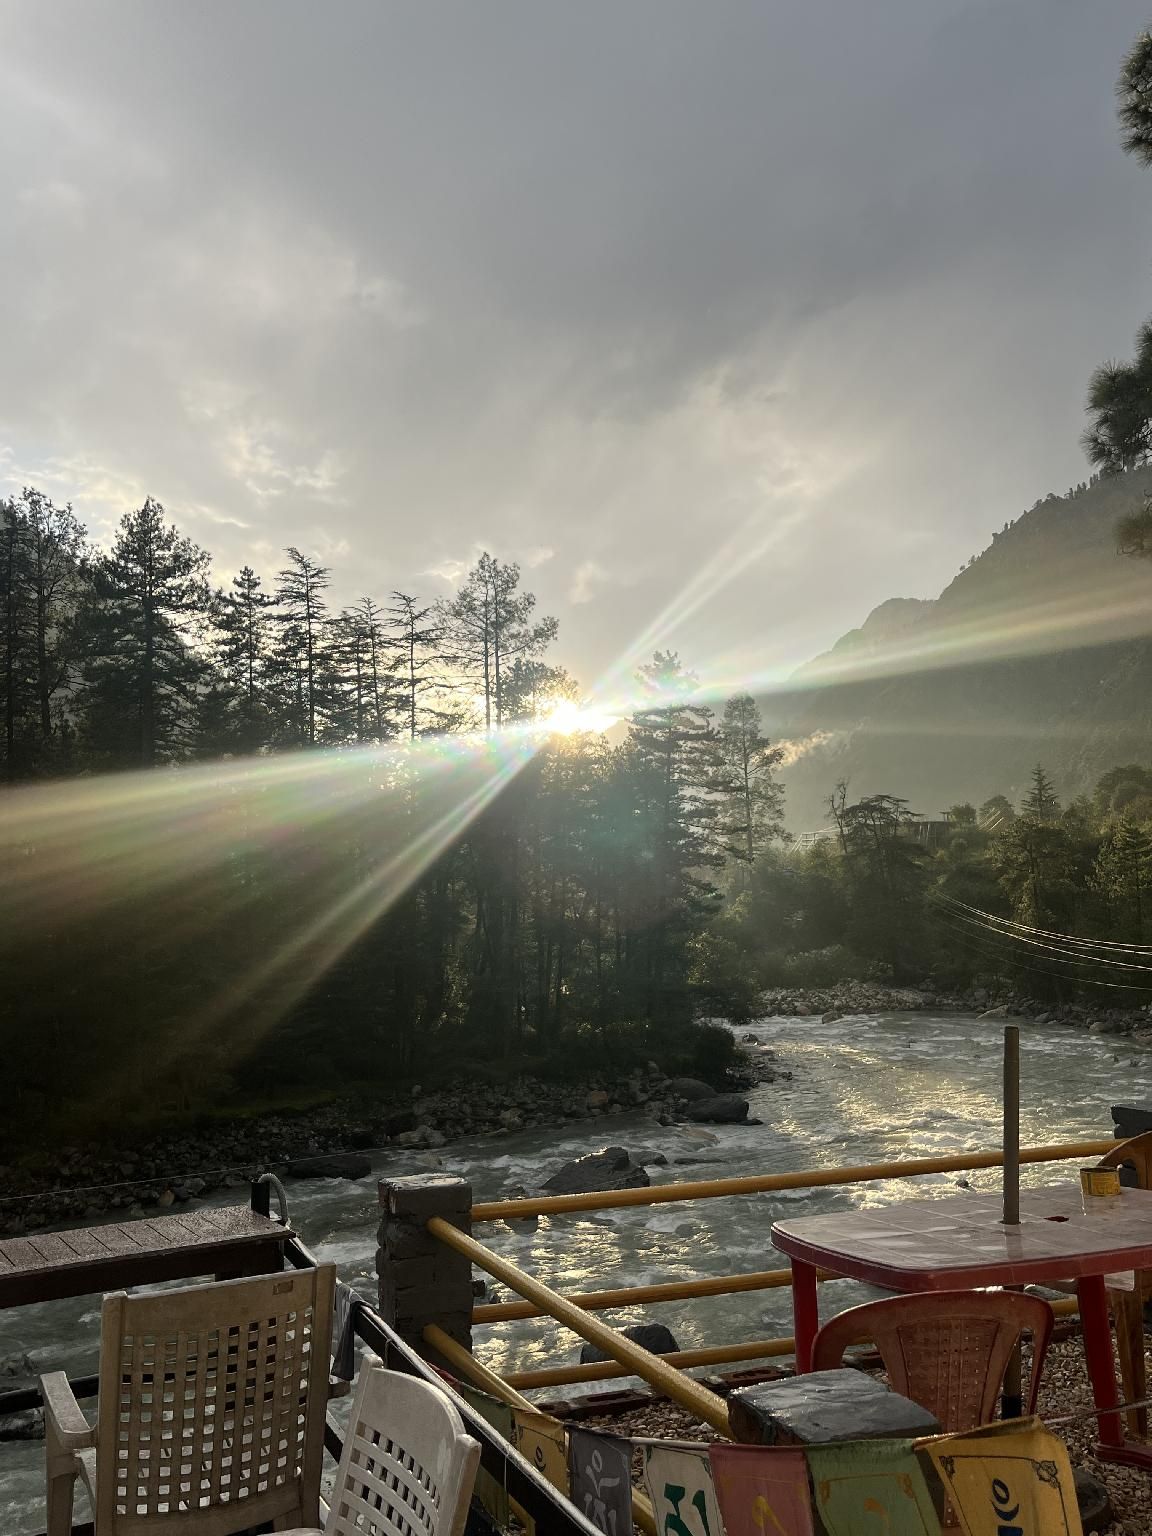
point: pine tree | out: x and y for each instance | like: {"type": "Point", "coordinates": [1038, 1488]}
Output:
{"type": "Point", "coordinates": [44, 586]}
{"type": "Point", "coordinates": [303, 662]}
{"type": "Point", "coordinates": [1041, 800]}
{"type": "Point", "coordinates": [488, 625]}
{"type": "Point", "coordinates": [415, 635]}
{"type": "Point", "coordinates": [144, 664]}
{"type": "Point", "coordinates": [244, 640]}
{"type": "Point", "coordinates": [753, 799]}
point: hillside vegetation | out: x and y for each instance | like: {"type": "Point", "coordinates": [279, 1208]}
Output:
{"type": "Point", "coordinates": [1038, 649]}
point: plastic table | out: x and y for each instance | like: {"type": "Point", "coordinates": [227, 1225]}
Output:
{"type": "Point", "coordinates": [960, 1242]}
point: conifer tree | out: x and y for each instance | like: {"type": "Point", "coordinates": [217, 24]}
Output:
{"type": "Point", "coordinates": [145, 659]}
{"type": "Point", "coordinates": [303, 660]}
{"type": "Point", "coordinates": [753, 798]}
{"type": "Point", "coordinates": [488, 625]}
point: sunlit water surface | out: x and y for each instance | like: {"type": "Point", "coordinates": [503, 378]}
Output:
{"type": "Point", "coordinates": [865, 1089]}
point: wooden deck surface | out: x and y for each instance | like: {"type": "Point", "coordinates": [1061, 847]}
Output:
{"type": "Point", "coordinates": [232, 1240]}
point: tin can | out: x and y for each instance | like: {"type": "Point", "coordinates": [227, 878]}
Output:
{"type": "Point", "coordinates": [1100, 1183]}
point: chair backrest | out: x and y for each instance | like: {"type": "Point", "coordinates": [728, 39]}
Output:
{"type": "Point", "coordinates": [212, 1404]}
{"type": "Point", "coordinates": [408, 1467]}
{"type": "Point", "coordinates": [1135, 1153]}
{"type": "Point", "coordinates": [946, 1350]}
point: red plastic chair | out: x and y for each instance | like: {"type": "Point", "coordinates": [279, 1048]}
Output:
{"type": "Point", "coordinates": [946, 1350]}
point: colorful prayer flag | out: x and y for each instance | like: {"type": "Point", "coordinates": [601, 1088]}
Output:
{"type": "Point", "coordinates": [682, 1493]}
{"type": "Point", "coordinates": [762, 1490]}
{"type": "Point", "coordinates": [491, 1494]}
{"type": "Point", "coordinates": [871, 1485]}
{"type": "Point", "coordinates": [540, 1439]}
{"type": "Point", "coordinates": [600, 1469]}
{"type": "Point", "coordinates": [1014, 1476]}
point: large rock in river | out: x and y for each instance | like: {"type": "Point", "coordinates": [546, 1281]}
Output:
{"type": "Point", "coordinates": [721, 1109]}
{"type": "Point", "coordinates": [611, 1168]}
{"type": "Point", "coordinates": [688, 1088]}
{"type": "Point", "coordinates": [653, 1337]}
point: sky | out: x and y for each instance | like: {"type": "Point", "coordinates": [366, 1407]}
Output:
{"type": "Point", "coordinates": [726, 321]}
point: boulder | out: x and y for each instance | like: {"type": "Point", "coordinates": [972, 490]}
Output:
{"type": "Point", "coordinates": [721, 1109]}
{"type": "Point", "coordinates": [337, 1165]}
{"type": "Point", "coordinates": [1094, 1502]}
{"type": "Point", "coordinates": [995, 1013]}
{"type": "Point", "coordinates": [597, 1099]}
{"type": "Point", "coordinates": [611, 1168]}
{"type": "Point", "coordinates": [689, 1088]}
{"type": "Point", "coordinates": [824, 1407]}
{"type": "Point", "coordinates": [653, 1337]}
{"type": "Point", "coordinates": [1131, 1120]}
{"type": "Point", "coordinates": [397, 1124]}
{"type": "Point", "coordinates": [831, 1016]}
{"type": "Point", "coordinates": [28, 1425]}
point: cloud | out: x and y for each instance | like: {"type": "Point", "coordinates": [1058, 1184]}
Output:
{"type": "Point", "coordinates": [746, 316]}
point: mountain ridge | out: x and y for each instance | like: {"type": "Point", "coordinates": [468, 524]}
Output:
{"type": "Point", "coordinates": [1040, 649]}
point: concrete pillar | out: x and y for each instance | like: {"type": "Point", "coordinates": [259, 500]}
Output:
{"type": "Point", "coordinates": [421, 1280]}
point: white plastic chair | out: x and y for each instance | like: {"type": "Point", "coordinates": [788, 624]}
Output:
{"type": "Point", "coordinates": [211, 1412]}
{"type": "Point", "coordinates": [408, 1467]}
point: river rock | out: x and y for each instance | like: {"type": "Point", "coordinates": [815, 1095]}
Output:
{"type": "Point", "coordinates": [831, 1016]}
{"type": "Point", "coordinates": [654, 1337]}
{"type": "Point", "coordinates": [335, 1166]}
{"type": "Point", "coordinates": [611, 1168]}
{"type": "Point", "coordinates": [689, 1088]}
{"type": "Point", "coordinates": [995, 1013]}
{"type": "Point", "coordinates": [721, 1109]}
{"type": "Point", "coordinates": [28, 1425]}
{"type": "Point", "coordinates": [1094, 1502]}
{"type": "Point", "coordinates": [597, 1099]}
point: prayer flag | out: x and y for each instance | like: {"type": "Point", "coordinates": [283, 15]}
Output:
{"type": "Point", "coordinates": [762, 1490]}
{"type": "Point", "coordinates": [540, 1439]}
{"type": "Point", "coordinates": [1014, 1476]}
{"type": "Point", "coordinates": [871, 1485]}
{"type": "Point", "coordinates": [491, 1494]}
{"type": "Point", "coordinates": [600, 1468]}
{"type": "Point", "coordinates": [683, 1496]}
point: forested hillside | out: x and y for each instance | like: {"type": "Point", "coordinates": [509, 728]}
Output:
{"type": "Point", "coordinates": [1039, 649]}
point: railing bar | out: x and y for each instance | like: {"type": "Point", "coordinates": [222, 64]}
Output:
{"type": "Point", "coordinates": [721, 1354]}
{"type": "Point", "coordinates": [666, 1379]}
{"type": "Point", "coordinates": [631, 1296]}
{"type": "Point", "coordinates": [755, 1184]}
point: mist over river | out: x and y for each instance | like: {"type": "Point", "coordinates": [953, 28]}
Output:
{"type": "Point", "coordinates": [864, 1089]}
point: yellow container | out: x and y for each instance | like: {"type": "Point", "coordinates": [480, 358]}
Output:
{"type": "Point", "coordinates": [1100, 1183]}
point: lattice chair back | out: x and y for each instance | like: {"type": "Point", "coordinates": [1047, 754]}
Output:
{"type": "Point", "coordinates": [212, 1404]}
{"type": "Point", "coordinates": [946, 1350]}
{"type": "Point", "coordinates": [408, 1466]}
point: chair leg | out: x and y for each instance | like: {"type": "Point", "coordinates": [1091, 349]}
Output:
{"type": "Point", "coordinates": [1128, 1310]}
{"type": "Point", "coordinates": [60, 1494]}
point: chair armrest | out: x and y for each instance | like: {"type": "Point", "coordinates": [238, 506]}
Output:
{"type": "Point", "coordinates": [62, 1414]}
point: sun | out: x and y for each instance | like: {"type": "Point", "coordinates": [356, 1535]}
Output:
{"type": "Point", "coordinates": [571, 719]}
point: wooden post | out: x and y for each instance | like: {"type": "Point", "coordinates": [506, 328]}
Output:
{"type": "Point", "coordinates": [1011, 1400]}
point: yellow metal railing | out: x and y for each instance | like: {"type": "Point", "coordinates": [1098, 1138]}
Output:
{"type": "Point", "coordinates": [665, 1373]}
{"type": "Point", "coordinates": [765, 1183]}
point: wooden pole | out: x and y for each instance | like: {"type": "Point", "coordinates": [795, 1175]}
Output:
{"type": "Point", "coordinates": [1011, 1401]}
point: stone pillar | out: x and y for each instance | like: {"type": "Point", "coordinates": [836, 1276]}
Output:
{"type": "Point", "coordinates": [421, 1279]}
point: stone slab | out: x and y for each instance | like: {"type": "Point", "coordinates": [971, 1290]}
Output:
{"type": "Point", "coordinates": [822, 1407]}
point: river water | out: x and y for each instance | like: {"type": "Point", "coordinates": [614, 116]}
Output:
{"type": "Point", "coordinates": [867, 1088]}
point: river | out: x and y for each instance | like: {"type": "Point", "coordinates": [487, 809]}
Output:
{"type": "Point", "coordinates": [865, 1089]}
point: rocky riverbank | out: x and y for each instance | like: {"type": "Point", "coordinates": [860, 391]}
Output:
{"type": "Point", "coordinates": [848, 997]}
{"type": "Point", "coordinates": [147, 1177]}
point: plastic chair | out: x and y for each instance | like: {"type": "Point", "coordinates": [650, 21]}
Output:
{"type": "Point", "coordinates": [1128, 1293]}
{"type": "Point", "coordinates": [408, 1467]}
{"type": "Point", "coordinates": [211, 1411]}
{"type": "Point", "coordinates": [946, 1350]}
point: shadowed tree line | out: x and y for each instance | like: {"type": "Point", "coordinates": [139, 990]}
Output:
{"type": "Point", "coordinates": [366, 891]}
{"type": "Point", "coordinates": [879, 899]}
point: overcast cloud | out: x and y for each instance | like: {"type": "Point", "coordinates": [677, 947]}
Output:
{"type": "Point", "coordinates": [646, 294]}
